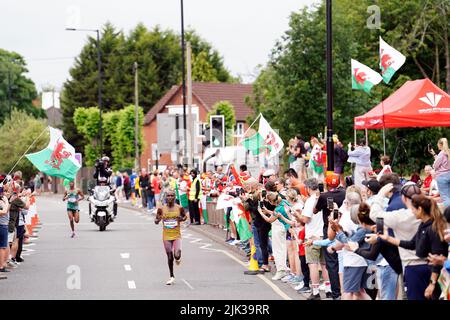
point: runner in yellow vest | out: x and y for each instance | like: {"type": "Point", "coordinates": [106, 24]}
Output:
{"type": "Point", "coordinates": [171, 215]}
{"type": "Point", "coordinates": [195, 194]}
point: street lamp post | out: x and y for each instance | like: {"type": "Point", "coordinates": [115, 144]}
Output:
{"type": "Point", "coordinates": [99, 80]}
{"type": "Point", "coordinates": [183, 83]}
{"type": "Point", "coordinates": [136, 117]}
{"type": "Point", "coordinates": [330, 143]}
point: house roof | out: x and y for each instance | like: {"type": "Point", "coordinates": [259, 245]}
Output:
{"type": "Point", "coordinates": [208, 94]}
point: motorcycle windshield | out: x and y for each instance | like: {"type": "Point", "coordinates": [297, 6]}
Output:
{"type": "Point", "coordinates": [101, 193]}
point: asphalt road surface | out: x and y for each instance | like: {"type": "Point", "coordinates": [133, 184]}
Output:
{"type": "Point", "coordinates": [128, 261]}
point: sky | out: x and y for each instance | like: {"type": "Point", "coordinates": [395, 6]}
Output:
{"type": "Point", "coordinates": [243, 31]}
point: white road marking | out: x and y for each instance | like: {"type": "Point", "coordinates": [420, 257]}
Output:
{"type": "Point", "coordinates": [127, 267]}
{"type": "Point", "coordinates": [125, 255]}
{"type": "Point", "coordinates": [29, 245]}
{"type": "Point", "coordinates": [267, 281]}
{"type": "Point", "coordinates": [187, 283]}
{"type": "Point", "coordinates": [131, 285]}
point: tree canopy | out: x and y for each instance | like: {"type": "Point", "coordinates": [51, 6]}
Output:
{"type": "Point", "coordinates": [16, 86]}
{"type": "Point", "coordinates": [291, 89]}
{"type": "Point", "coordinates": [158, 54]}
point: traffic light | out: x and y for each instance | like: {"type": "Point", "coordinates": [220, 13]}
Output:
{"type": "Point", "coordinates": [217, 131]}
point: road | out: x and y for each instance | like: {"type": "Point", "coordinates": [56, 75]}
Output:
{"type": "Point", "coordinates": [128, 261]}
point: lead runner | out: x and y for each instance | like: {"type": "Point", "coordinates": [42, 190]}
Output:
{"type": "Point", "coordinates": [171, 215]}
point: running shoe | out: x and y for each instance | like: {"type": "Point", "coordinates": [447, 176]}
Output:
{"type": "Point", "coordinates": [304, 290]}
{"type": "Point", "coordinates": [178, 261]}
{"type": "Point", "coordinates": [314, 297]}
{"type": "Point", "coordinates": [299, 286]}
{"type": "Point", "coordinates": [279, 275]}
{"type": "Point", "coordinates": [328, 295]}
{"type": "Point", "coordinates": [296, 280]}
{"type": "Point", "coordinates": [4, 270]}
{"type": "Point", "coordinates": [287, 278]}
{"type": "Point", "coordinates": [11, 265]}
{"type": "Point", "coordinates": [170, 281]}
{"type": "Point", "coordinates": [72, 235]}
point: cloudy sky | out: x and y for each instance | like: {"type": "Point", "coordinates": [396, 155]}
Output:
{"type": "Point", "coordinates": [244, 31]}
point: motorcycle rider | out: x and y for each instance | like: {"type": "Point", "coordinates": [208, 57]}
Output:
{"type": "Point", "coordinates": [103, 171]}
{"type": "Point", "coordinates": [102, 176]}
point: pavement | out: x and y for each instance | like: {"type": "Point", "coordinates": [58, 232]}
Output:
{"type": "Point", "coordinates": [127, 261]}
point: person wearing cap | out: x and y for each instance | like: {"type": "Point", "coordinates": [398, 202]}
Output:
{"type": "Point", "coordinates": [372, 188]}
{"type": "Point", "coordinates": [269, 175]}
{"type": "Point", "coordinates": [404, 225]}
{"type": "Point", "coordinates": [338, 196]}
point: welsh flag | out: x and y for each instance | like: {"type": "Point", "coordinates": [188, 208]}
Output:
{"type": "Point", "coordinates": [364, 78]}
{"type": "Point", "coordinates": [57, 159]}
{"type": "Point", "coordinates": [242, 225]}
{"type": "Point", "coordinates": [255, 144]}
{"type": "Point", "coordinates": [390, 60]}
{"type": "Point", "coordinates": [266, 140]}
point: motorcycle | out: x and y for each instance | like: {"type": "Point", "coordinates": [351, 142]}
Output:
{"type": "Point", "coordinates": [102, 206]}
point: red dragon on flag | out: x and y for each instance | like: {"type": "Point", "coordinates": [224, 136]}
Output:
{"type": "Point", "coordinates": [58, 155]}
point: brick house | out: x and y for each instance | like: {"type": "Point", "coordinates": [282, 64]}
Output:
{"type": "Point", "coordinates": [204, 96]}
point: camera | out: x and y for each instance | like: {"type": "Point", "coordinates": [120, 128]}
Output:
{"type": "Point", "coordinates": [99, 163]}
{"type": "Point", "coordinates": [263, 193]}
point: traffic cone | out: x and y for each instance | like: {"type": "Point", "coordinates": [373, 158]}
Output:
{"type": "Point", "coordinates": [253, 268]}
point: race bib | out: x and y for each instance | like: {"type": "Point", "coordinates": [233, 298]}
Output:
{"type": "Point", "coordinates": [170, 224]}
{"type": "Point", "coordinates": [72, 200]}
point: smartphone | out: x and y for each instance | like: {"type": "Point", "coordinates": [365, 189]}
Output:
{"type": "Point", "coordinates": [321, 187]}
{"type": "Point", "coordinates": [330, 203]}
{"type": "Point", "coordinates": [335, 214]}
{"type": "Point", "coordinates": [380, 225]}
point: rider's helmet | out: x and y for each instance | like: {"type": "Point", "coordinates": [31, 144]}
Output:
{"type": "Point", "coordinates": [105, 158]}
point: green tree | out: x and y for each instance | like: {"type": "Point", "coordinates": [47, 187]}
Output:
{"type": "Point", "coordinates": [291, 89]}
{"type": "Point", "coordinates": [202, 70]}
{"type": "Point", "coordinates": [118, 132]}
{"type": "Point", "coordinates": [13, 80]}
{"type": "Point", "coordinates": [86, 121]}
{"type": "Point", "coordinates": [158, 55]}
{"type": "Point", "coordinates": [22, 138]}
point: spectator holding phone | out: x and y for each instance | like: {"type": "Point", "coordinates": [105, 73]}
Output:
{"type": "Point", "coordinates": [429, 239]}
{"type": "Point", "coordinates": [314, 227]}
{"type": "Point", "coordinates": [404, 224]}
{"type": "Point", "coordinates": [355, 266]}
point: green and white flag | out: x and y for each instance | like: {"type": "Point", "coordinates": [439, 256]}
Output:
{"type": "Point", "coordinates": [242, 226]}
{"type": "Point", "coordinates": [390, 61]}
{"type": "Point", "coordinates": [364, 78]}
{"type": "Point", "coordinates": [58, 159]}
{"type": "Point", "coordinates": [255, 144]}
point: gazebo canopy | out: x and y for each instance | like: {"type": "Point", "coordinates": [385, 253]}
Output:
{"type": "Point", "coordinates": [418, 103]}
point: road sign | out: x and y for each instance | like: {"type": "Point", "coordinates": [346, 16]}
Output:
{"type": "Point", "coordinates": [166, 132]}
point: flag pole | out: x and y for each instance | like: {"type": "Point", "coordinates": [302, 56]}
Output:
{"type": "Point", "coordinates": [384, 126]}
{"type": "Point", "coordinates": [27, 151]}
{"type": "Point", "coordinates": [243, 136]}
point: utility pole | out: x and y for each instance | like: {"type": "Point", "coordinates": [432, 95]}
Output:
{"type": "Point", "coordinates": [189, 99]}
{"type": "Point", "coordinates": [136, 118]}
{"type": "Point", "coordinates": [9, 91]}
{"type": "Point", "coordinates": [330, 143]}
{"type": "Point", "coordinates": [183, 80]}
{"type": "Point", "coordinates": [99, 63]}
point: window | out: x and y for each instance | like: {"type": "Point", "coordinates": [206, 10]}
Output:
{"type": "Point", "coordinates": [239, 128]}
